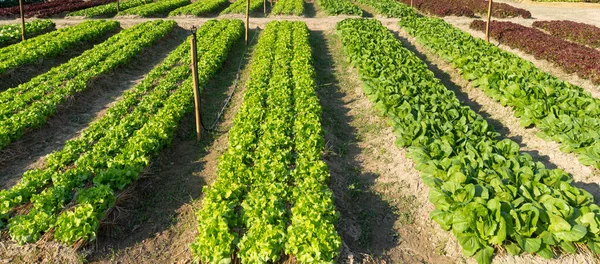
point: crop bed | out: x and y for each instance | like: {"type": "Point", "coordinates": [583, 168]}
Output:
{"type": "Point", "coordinates": [112, 151]}
{"type": "Point", "coordinates": [107, 9]}
{"type": "Point", "coordinates": [288, 7]}
{"type": "Point", "coordinates": [577, 32]}
{"type": "Point", "coordinates": [467, 8]}
{"type": "Point", "coordinates": [273, 168]}
{"type": "Point", "coordinates": [48, 9]}
{"type": "Point", "coordinates": [199, 8]}
{"type": "Point", "coordinates": [239, 7]}
{"type": "Point", "coordinates": [11, 33]}
{"type": "Point", "coordinates": [484, 190]}
{"type": "Point", "coordinates": [156, 8]}
{"type": "Point", "coordinates": [339, 7]}
{"type": "Point", "coordinates": [571, 57]}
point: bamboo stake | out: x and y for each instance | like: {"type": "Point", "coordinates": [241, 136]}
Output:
{"type": "Point", "coordinates": [117, 6]}
{"type": "Point", "coordinates": [195, 87]}
{"type": "Point", "coordinates": [22, 20]}
{"type": "Point", "coordinates": [489, 18]}
{"type": "Point", "coordinates": [265, 7]}
{"type": "Point", "coordinates": [247, 19]}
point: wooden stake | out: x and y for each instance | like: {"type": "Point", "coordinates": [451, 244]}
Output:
{"type": "Point", "coordinates": [247, 19]}
{"type": "Point", "coordinates": [117, 6]}
{"type": "Point", "coordinates": [22, 20]}
{"type": "Point", "coordinates": [411, 3]}
{"type": "Point", "coordinates": [195, 85]}
{"type": "Point", "coordinates": [265, 7]}
{"type": "Point", "coordinates": [489, 18]}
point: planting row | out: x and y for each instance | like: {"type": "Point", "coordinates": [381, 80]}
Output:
{"type": "Point", "coordinates": [107, 9]}
{"type": "Point", "coordinates": [571, 57]}
{"type": "Point", "coordinates": [156, 8]}
{"type": "Point", "coordinates": [51, 45]}
{"type": "Point", "coordinates": [467, 8]}
{"type": "Point", "coordinates": [288, 7]}
{"type": "Point", "coordinates": [563, 112]}
{"type": "Point", "coordinates": [239, 7]}
{"type": "Point", "coordinates": [112, 151]}
{"type": "Point", "coordinates": [577, 32]}
{"type": "Point", "coordinates": [47, 9]}
{"type": "Point", "coordinates": [30, 104]}
{"type": "Point", "coordinates": [11, 33]}
{"type": "Point", "coordinates": [9, 3]}
{"type": "Point", "coordinates": [484, 190]}
{"type": "Point", "coordinates": [339, 7]}
{"type": "Point", "coordinates": [273, 163]}
{"type": "Point", "coordinates": [200, 7]}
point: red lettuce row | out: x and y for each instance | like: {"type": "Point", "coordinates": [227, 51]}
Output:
{"type": "Point", "coordinates": [467, 8]}
{"type": "Point", "coordinates": [577, 32]}
{"type": "Point", "coordinates": [571, 57]}
{"type": "Point", "coordinates": [52, 8]}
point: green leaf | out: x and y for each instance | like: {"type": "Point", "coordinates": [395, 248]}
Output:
{"type": "Point", "coordinates": [470, 243]}
{"type": "Point", "coordinates": [575, 234]}
{"type": "Point", "coordinates": [484, 256]}
{"type": "Point", "coordinates": [513, 249]}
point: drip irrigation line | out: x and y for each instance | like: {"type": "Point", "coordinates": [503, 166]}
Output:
{"type": "Point", "coordinates": [235, 84]}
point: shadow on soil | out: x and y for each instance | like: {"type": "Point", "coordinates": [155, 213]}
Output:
{"type": "Point", "coordinates": [366, 222]}
{"type": "Point", "coordinates": [310, 9]}
{"type": "Point", "coordinates": [172, 182]}
{"type": "Point", "coordinates": [78, 111]}
{"type": "Point", "coordinates": [497, 125]}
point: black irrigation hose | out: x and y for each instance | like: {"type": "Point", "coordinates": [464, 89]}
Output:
{"type": "Point", "coordinates": [235, 84]}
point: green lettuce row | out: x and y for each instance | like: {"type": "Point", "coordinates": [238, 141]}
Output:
{"type": "Point", "coordinates": [201, 7]}
{"type": "Point", "coordinates": [23, 96]}
{"type": "Point", "coordinates": [391, 8]}
{"type": "Point", "coordinates": [311, 234]}
{"type": "Point", "coordinates": [239, 7]}
{"type": "Point", "coordinates": [156, 8]}
{"type": "Point", "coordinates": [122, 112]}
{"type": "Point", "coordinates": [37, 99]}
{"type": "Point", "coordinates": [11, 33]}
{"type": "Point", "coordinates": [52, 44]}
{"type": "Point", "coordinates": [484, 190]}
{"type": "Point", "coordinates": [339, 7]}
{"type": "Point", "coordinates": [265, 214]}
{"type": "Point", "coordinates": [255, 172]}
{"type": "Point", "coordinates": [107, 9]}
{"type": "Point", "coordinates": [218, 218]}
{"type": "Point", "coordinates": [94, 161]}
{"type": "Point", "coordinates": [53, 198]}
{"type": "Point", "coordinates": [288, 7]}
{"type": "Point", "coordinates": [74, 225]}
{"type": "Point", "coordinates": [563, 112]}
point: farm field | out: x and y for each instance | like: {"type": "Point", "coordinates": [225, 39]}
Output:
{"type": "Point", "coordinates": [355, 131]}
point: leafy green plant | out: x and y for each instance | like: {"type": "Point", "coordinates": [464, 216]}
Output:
{"type": "Point", "coordinates": [276, 139]}
{"type": "Point", "coordinates": [484, 190]}
{"type": "Point", "coordinates": [239, 7]}
{"type": "Point", "coordinates": [339, 7]}
{"type": "Point", "coordinates": [288, 7]}
{"type": "Point", "coordinates": [199, 8]}
{"type": "Point", "coordinates": [60, 176]}
{"type": "Point", "coordinates": [107, 9]}
{"type": "Point", "coordinates": [52, 44]}
{"type": "Point", "coordinates": [155, 8]}
{"type": "Point", "coordinates": [11, 33]}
